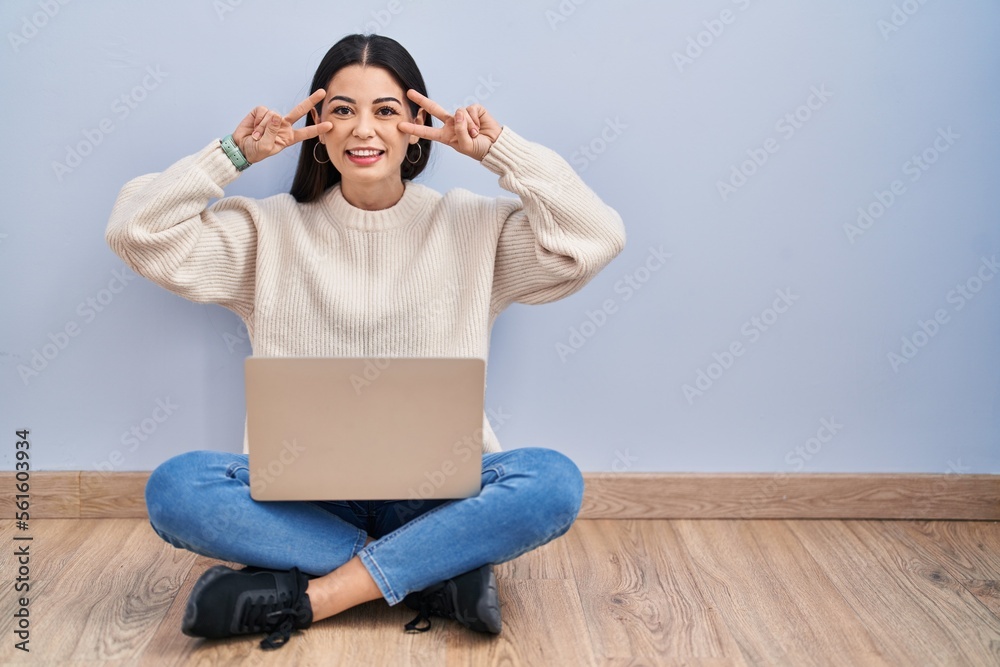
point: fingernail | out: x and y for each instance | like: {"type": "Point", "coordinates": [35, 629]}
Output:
{"type": "Point", "coordinates": [256, 135]}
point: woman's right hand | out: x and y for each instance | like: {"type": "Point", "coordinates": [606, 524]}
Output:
{"type": "Point", "coordinates": [265, 132]}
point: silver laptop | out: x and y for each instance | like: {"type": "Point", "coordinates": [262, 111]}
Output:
{"type": "Point", "coordinates": [321, 428]}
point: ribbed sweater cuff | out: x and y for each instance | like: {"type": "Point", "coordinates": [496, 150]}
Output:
{"type": "Point", "coordinates": [213, 161]}
{"type": "Point", "coordinates": [507, 152]}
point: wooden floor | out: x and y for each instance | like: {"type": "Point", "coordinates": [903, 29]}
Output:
{"type": "Point", "coordinates": [625, 592]}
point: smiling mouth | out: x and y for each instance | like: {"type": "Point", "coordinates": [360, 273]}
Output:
{"type": "Point", "coordinates": [365, 153]}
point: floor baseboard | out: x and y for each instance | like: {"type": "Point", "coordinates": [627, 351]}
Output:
{"type": "Point", "coordinates": [86, 494]}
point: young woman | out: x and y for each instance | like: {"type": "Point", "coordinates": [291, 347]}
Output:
{"type": "Point", "coordinates": [350, 264]}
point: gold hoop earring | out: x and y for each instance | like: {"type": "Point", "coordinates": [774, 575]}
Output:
{"type": "Point", "coordinates": [420, 154]}
{"type": "Point", "coordinates": [315, 146]}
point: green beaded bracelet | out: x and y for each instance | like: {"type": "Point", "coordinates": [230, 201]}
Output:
{"type": "Point", "coordinates": [234, 153]}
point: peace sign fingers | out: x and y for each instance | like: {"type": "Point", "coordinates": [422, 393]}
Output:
{"type": "Point", "coordinates": [470, 130]}
{"type": "Point", "coordinates": [265, 132]}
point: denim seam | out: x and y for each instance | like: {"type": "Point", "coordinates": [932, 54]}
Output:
{"type": "Point", "coordinates": [359, 543]}
{"type": "Point", "coordinates": [379, 577]}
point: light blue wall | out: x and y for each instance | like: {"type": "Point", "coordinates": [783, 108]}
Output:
{"type": "Point", "coordinates": [886, 81]}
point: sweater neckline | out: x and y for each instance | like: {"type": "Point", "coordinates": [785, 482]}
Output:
{"type": "Point", "coordinates": [343, 214]}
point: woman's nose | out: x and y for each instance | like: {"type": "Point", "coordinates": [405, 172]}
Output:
{"type": "Point", "coordinates": [363, 129]}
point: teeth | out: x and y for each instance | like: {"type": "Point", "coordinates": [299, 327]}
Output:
{"type": "Point", "coordinates": [365, 153]}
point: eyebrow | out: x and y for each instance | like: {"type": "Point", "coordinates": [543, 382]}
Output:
{"type": "Point", "coordinates": [377, 101]}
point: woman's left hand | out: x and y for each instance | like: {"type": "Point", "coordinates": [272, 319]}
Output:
{"type": "Point", "coordinates": [470, 130]}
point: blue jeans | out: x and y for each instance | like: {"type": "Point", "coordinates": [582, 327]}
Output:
{"type": "Point", "coordinates": [200, 501]}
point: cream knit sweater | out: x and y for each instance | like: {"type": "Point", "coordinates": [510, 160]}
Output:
{"type": "Point", "coordinates": [426, 277]}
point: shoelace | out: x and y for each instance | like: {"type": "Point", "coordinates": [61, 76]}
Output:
{"type": "Point", "coordinates": [430, 603]}
{"type": "Point", "coordinates": [286, 621]}
{"type": "Point", "coordinates": [261, 615]}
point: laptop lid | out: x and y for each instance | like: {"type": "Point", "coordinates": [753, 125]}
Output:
{"type": "Point", "coordinates": [321, 428]}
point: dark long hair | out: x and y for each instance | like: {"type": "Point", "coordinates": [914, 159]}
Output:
{"type": "Point", "coordinates": [312, 179]}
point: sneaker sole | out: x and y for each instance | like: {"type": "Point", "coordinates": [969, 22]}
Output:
{"type": "Point", "coordinates": [488, 606]}
{"type": "Point", "coordinates": [191, 610]}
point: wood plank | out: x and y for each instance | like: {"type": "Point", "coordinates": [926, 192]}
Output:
{"type": "Point", "coordinates": [9, 654]}
{"type": "Point", "coordinates": [718, 568]}
{"type": "Point", "coordinates": [632, 610]}
{"type": "Point", "coordinates": [969, 551]}
{"type": "Point", "coordinates": [121, 496]}
{"type": "Point", "coordinates": [610, 565]}
{"type": "Point", "coordinates": [108, 601]}
{"type": "Point", "coordinates": [776, 601]}
{"type": "Point", "coordinates": [839, 630]}
{"type": "Point", "coordinates": [944, 594]}
{"type": "Point", "coordinates": [149, 575]}
{"type": "Point", "coordinates": [912, 618]}
{"type": "Point", "coordinates": [53, 495]}
{"type": "Point", "coordinates": [798, 496]}
{"type": "Point", "coordinates": [54, 543]}
{"type": "Point", "coordinates": [695, 629]}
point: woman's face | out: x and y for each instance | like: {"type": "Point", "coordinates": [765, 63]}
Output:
{"type": "Point", "coordinates": [365, 104]}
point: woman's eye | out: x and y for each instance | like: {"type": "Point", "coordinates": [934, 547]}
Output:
{"type": "Point", "coordinates": [340, 111]}
{"type": "Point", "coordinates": [386, 111]}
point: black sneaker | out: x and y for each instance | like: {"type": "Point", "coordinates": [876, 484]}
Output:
{"type": "Point", "coordinates": [227, 602]}
{"type": "Point", "coordinates": [470, 598]}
